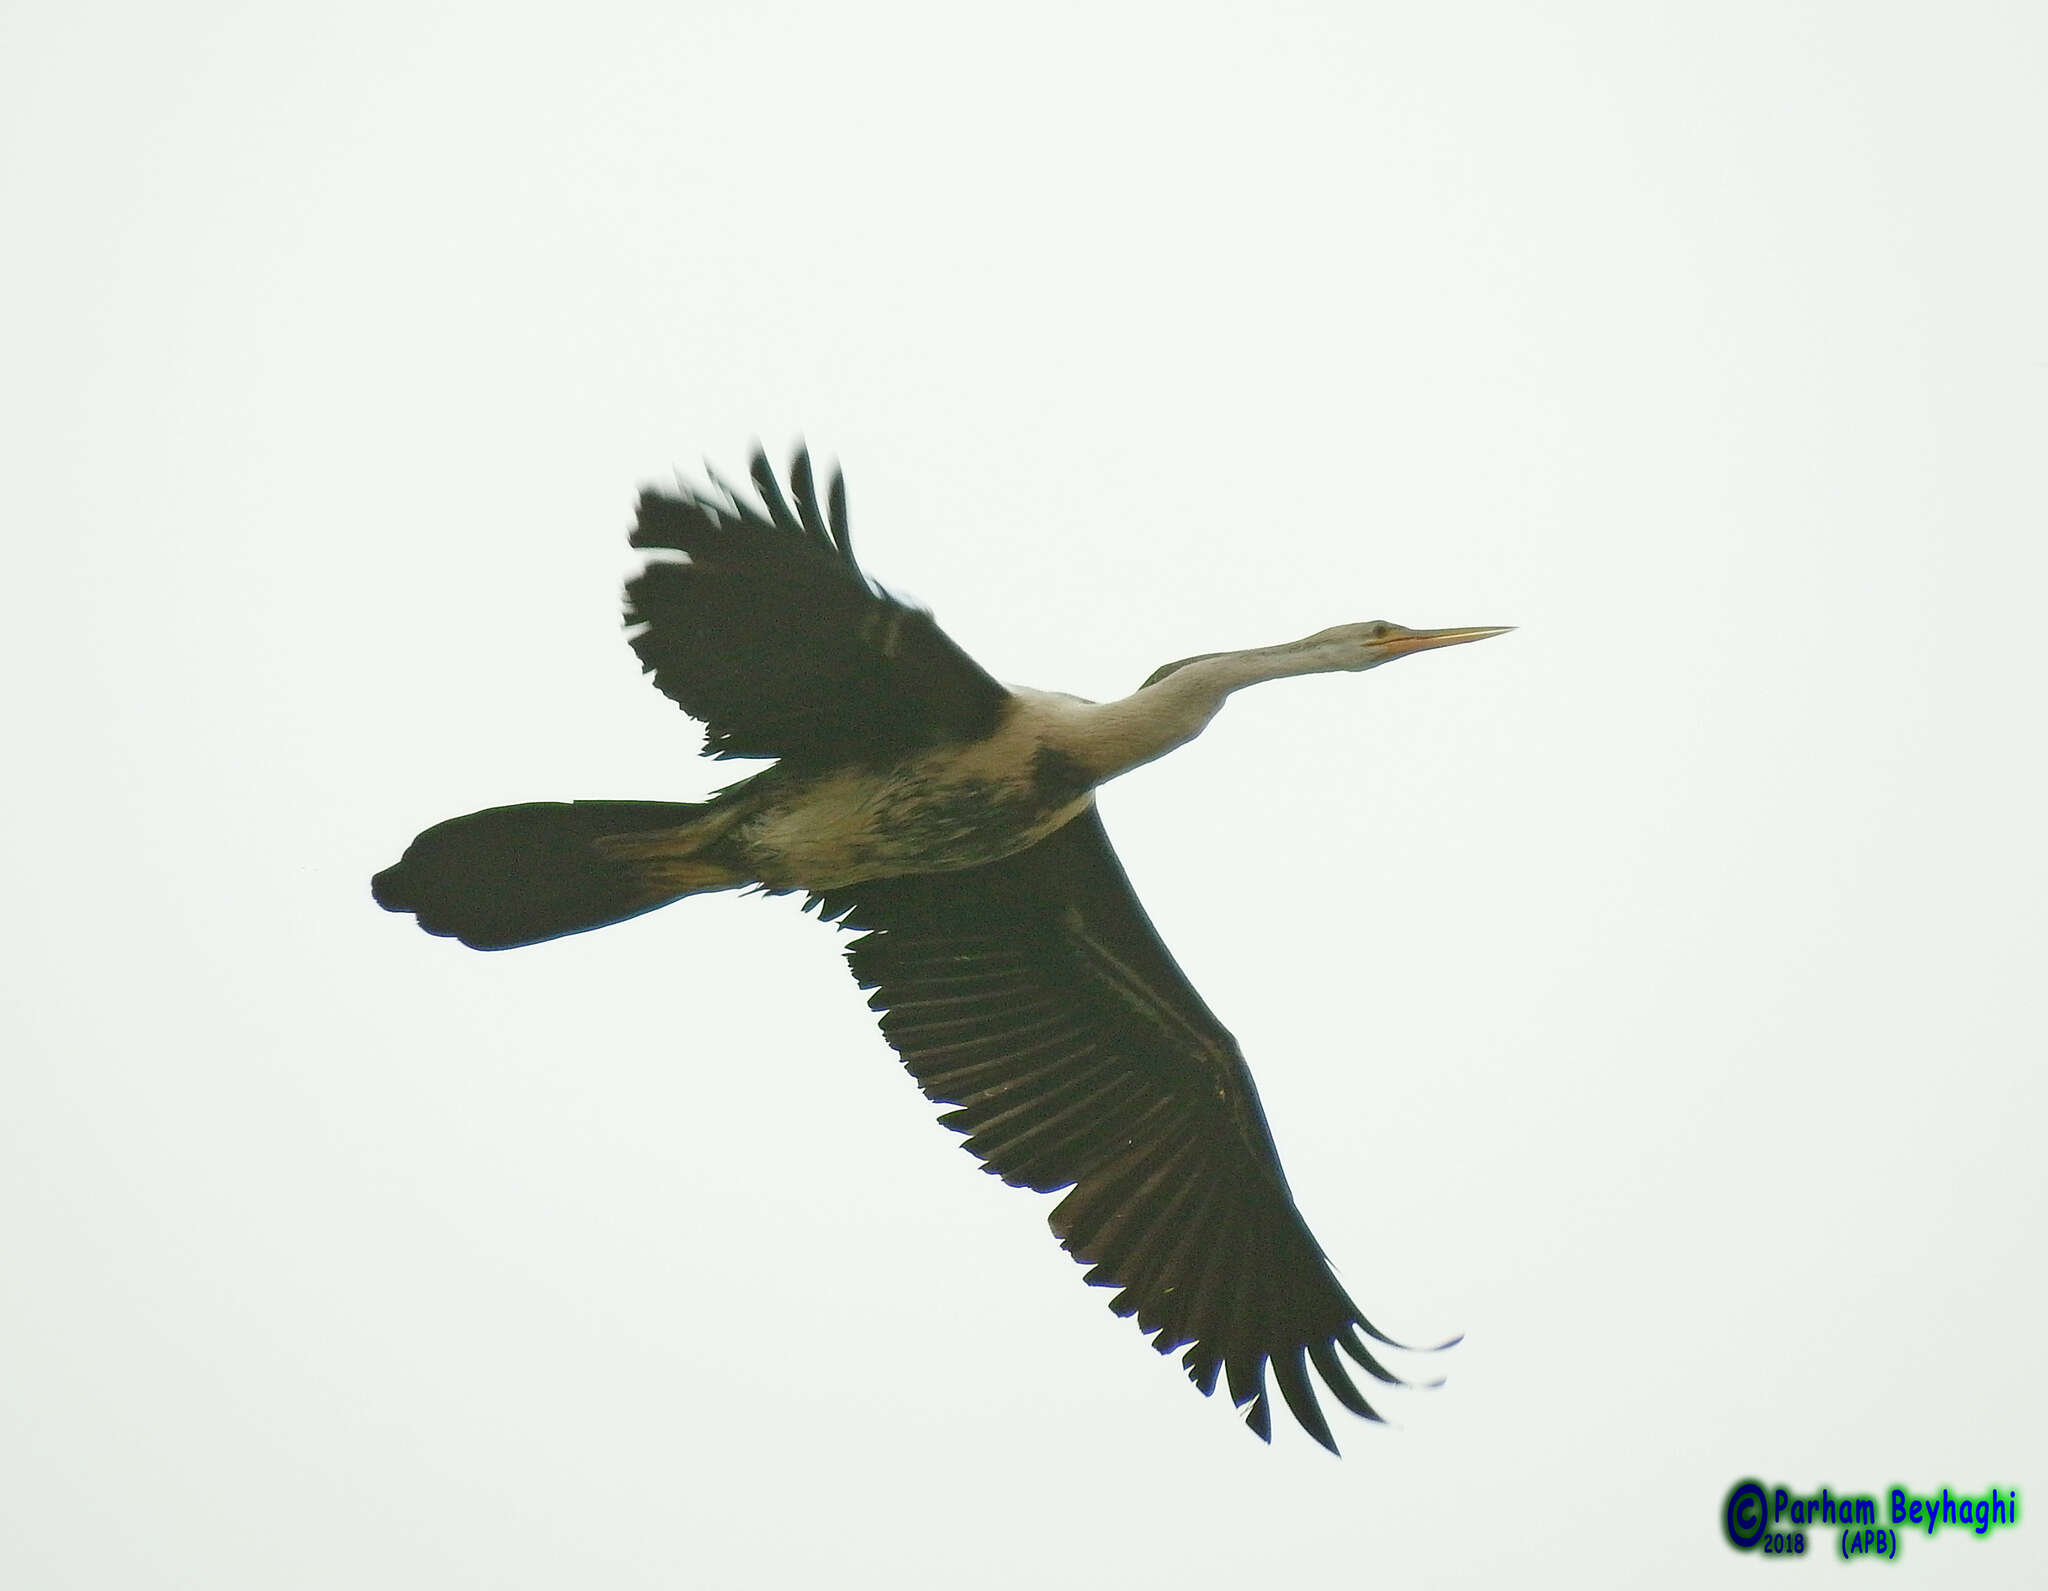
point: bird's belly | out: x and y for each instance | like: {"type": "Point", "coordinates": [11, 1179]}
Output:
{"type": "Point", "coordinates": [856, 824]}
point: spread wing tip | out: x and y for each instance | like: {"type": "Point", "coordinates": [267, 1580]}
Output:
{"type": "Point", "coordinates": [662, 516]}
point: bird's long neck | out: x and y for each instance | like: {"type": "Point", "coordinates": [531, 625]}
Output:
{"type": "Point", "coordinates": [1109, 738]}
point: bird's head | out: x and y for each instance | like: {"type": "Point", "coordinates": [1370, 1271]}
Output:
{"type": "Point", "coordinates": [1354, 648]}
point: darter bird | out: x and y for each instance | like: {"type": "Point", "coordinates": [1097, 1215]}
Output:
{"type": "Point", "coordinates": [953, 819]}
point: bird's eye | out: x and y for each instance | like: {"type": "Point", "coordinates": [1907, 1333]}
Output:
{"type": "Point", "coordinates": [1378, 630]}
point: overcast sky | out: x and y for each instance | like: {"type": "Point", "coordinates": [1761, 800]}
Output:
{"type": "Point", "coordinates": [1652, 995]}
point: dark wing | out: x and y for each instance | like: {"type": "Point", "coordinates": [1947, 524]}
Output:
{"type": "Point", "coordinates": [772, 636]}
{"type": "Point", "coordinates": [1034, 994]}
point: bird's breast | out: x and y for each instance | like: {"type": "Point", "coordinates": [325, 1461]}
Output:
{"type": "Point", "coordinates": [945, 809]}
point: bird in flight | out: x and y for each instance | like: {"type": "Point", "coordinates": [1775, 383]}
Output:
{"type": "Point", "coordinates": [952, 819]}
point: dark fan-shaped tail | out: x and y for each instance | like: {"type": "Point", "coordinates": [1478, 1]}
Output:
{"type": "Point", "coordinates": [518, 875]}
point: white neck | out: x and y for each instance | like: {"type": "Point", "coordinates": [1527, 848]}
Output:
{"type": "Point", "coordinates": [1109, 738]}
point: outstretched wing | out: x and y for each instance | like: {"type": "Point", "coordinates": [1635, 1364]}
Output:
{"type": "Point", "coordinates": [771, 635]}
{"type": "Point", "coordinates": [1034, 994]}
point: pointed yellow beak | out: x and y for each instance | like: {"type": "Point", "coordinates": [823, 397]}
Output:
{"type": "Point", "coordinates": [1424, 640]}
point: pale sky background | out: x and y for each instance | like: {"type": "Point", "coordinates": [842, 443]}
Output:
{"type": "Point", "coordinates": [1652, 995]}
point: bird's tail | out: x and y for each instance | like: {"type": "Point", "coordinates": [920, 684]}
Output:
{"type": "Point", "coordinates": [518, 875]}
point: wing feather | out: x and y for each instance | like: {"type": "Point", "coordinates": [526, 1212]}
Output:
{"type": "Point", "coordinates": [767, 630]}
{"type": "Point", "coordinates": [1034, 996]}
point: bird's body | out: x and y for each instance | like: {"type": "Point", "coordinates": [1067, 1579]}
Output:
{"type": "Point", "coordinates": [937, 809]}
{"type": "Point", "coordinates": [953, 818]}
